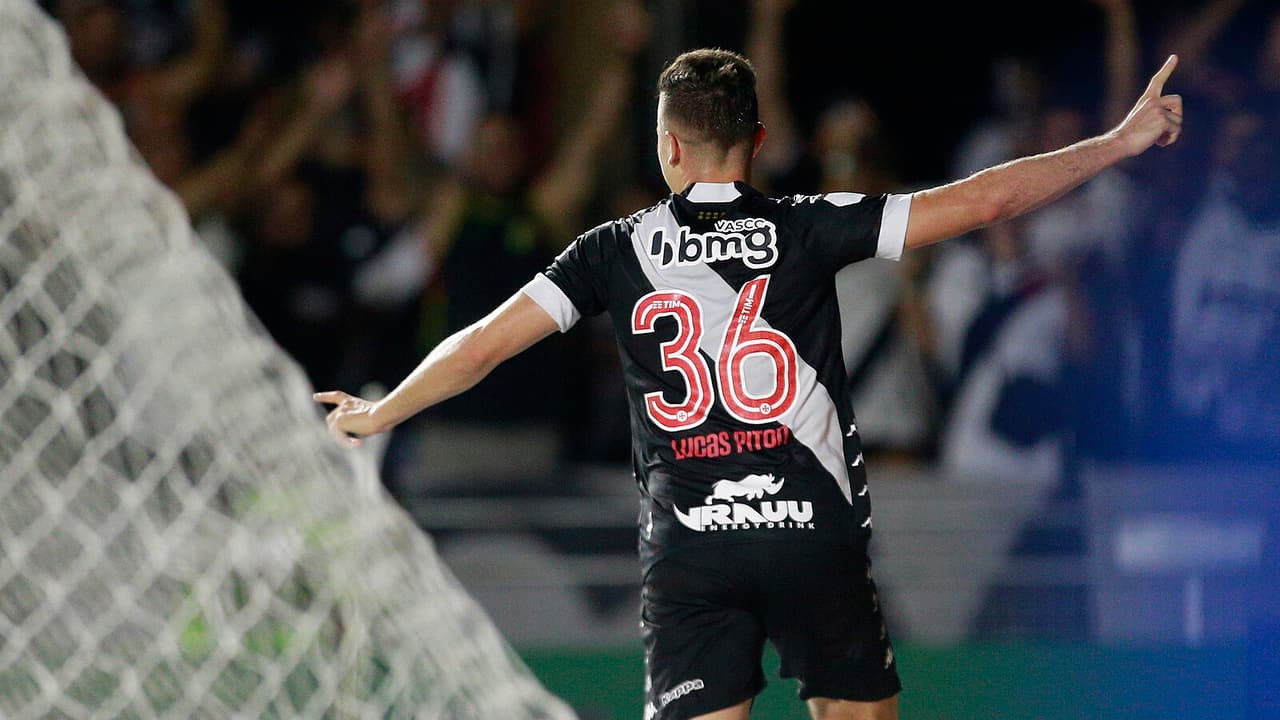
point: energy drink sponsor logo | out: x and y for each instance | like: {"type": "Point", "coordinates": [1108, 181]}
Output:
{"type": "Point", "coordinates": [715, 516]}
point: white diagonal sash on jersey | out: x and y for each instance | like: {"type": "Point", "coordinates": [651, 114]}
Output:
{"type": "Point", "coordinates": [812, 418]}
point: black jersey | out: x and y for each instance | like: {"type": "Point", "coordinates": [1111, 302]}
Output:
{"type": "Point", "coordinates": [724, 306]}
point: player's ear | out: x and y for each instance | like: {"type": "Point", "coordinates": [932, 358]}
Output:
{"type": "Point", "coordinates": [758, 140]}
{"type": "Point", "coordinates": [673, 149]}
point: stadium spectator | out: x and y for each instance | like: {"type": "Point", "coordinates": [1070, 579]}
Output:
{"type": "Point", "coordinates": [335, 199]}
{"type": "Point", "coordinates": [1009, 416]}
{"type": "Point", "coordinates": [884, 323]}
{"type": "Point", "coordinates": [1225, 381]}
{"type": "Point", "coordinates": [441, 87]}
{"type": "Point", "coordinates": [488, 229]}
{"type": "Point", "coordinates": [102, 38]}
{"type": "Point", "coordinates": [455, 62]}
{"type": "Point", "coordinates": [1125, 368]}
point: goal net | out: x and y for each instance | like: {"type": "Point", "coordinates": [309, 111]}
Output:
{"type": "Point", "coordinates": [178, 537]}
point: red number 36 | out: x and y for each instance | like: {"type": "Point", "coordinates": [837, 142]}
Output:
{"type": "Point", "coordinates": [742, 341]}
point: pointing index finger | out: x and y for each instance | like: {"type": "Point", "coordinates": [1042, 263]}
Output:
{"type": "Point", "coordinates": [331, 397]}
{"type": "Point", "coordinates": [1156, 86]}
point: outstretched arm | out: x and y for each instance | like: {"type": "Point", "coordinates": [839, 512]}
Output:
{"type": "Point", "coordinates": [456, 364]}
{"type": "Point", "coordinates": [1009, 190]}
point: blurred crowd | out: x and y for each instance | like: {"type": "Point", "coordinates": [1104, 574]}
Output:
{"type": "Point", "coordinates": [379, 173]}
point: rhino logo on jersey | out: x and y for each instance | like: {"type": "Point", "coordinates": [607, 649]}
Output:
{"type": "Point", "coordinates": [751, 487]}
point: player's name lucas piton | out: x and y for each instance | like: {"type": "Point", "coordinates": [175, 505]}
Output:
{"type": "Point", "coordinates": [725, 443]}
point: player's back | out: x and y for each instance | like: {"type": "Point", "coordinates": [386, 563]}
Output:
{"type": "Point", "coordinates": [725, 309]}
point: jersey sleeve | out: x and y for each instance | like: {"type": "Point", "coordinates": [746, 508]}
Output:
{"type": "Point", "coordinates": [572, 285]}
{"type": "Point", "coordinates": [842, 227]}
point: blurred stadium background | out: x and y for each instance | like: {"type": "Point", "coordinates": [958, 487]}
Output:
{"type": "Point", "coordinates": [1075, 416]}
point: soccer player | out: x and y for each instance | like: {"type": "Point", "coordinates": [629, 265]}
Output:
{"type": "Point", "coordinates": [755, 515]}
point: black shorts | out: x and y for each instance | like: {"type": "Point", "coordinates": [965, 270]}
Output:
{"type": "Point", "coordinates": [706, 613]}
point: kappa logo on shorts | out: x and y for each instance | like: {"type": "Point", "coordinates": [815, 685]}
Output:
{"type": "Point", "coordinates": [740, 516]}
{"type": "Point", "coordinates": [752, 240]}
{"type": "Point", "coordinates": [688, 686]}
{"type": "Point", "coordinates": [680, 691]}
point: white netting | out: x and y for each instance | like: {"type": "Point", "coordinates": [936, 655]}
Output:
{"type": "Point", "coordinates": [177, 536]}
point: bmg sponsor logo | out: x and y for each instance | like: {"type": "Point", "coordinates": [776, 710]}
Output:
{"type": "Point", "coordinates": [752, 240]}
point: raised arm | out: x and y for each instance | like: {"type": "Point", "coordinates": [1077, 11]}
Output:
{"type": "Point", "coordinates": [187, 76]}
{"type": "Point", "coordinates": [1009, 190]}
{"type": "Point", "coordinates": [562, 189]}
{"type": "Point", "coordinates": [327, 87]}
{"type": "Point", "coordinates": [764, 47]}
{"type": "Point", "coordinates": [456, 364]}
{"type": "Point", "coordinates": [1123, 57]}
{"type": "Point", "coordinates": [1195, 36]}
{"type": "Point", "coordinates": [389, 193]}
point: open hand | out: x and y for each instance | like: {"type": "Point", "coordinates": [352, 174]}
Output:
{"type": "Point", "coordinates": [329, 84]}
{"type": "Point", "coordinates": [629, 26]}
{"type": "Point", "coordinates": [772, 8]}
{"type": "Point", "coordinates": [352, 416]}
{"type": "Point", "coordinates": [1156, 119]}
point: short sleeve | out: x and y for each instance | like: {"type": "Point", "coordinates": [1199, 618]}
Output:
{"type": "Point", "coordinates": [843, 227]}
{"type": "Point", "coordinates": [572, 286]}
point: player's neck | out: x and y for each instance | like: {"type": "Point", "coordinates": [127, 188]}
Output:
{"type": "Point", "coordinates": [719, 174]}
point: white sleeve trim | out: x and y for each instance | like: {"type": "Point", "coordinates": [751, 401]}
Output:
{"type": "Point", "coordinates": [893, 227]}
{"type": "Point", "coordinates": [548, 296]}
{"type": "Point", "coordinates": [843, 199]}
